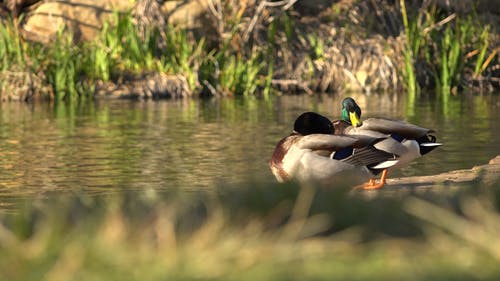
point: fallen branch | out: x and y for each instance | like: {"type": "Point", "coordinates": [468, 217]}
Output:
{"type": "Point", "coordinates": [487, 174]}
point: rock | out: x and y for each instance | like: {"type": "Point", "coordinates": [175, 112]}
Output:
{"type": "Point", "coordinates": [21, 85]}
{"type": "Point", "coordinates": [153, 86]}
{"type": "Point", "coordinates": [83, 18]}
{"type": "Point", "coordinates": [289, 85]}
{"type": "Point", "coordinates": [186, 14]}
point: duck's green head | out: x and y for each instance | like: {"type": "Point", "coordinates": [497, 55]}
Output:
{"type": "Point", "coordinates": [351, 112]}
{"type": "Point", "coordinates": [312, 123]}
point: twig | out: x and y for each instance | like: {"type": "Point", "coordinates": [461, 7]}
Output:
{"type": "Point", "coordinates": [217, 12]}
{"type": "Point", "coordinates": [285, 3]}
{"type": "Point", "coordinates": [489, 59]}
{"type": "Point", "coordinates": [290, 4]}
{"type": "Point", "coordinates": [255, 17]}
{"type": "Point", "coordinates": [210, 87]}
{"type": "Point", "coordinates": [440, 23]}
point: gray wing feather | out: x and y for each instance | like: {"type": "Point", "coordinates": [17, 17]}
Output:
{"type": "Point", "coordinates": [335, 142]}
{"type": "Point", "coordinates": [388, 126]}
{"type": "Point", "coordinates": [325, 142]}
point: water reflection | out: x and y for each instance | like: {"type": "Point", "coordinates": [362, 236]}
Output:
{"type": "Point", "coordinates": [106, 146]}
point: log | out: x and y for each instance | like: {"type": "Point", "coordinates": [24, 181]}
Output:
{"type": "Point", "coordinates": [484, 175]}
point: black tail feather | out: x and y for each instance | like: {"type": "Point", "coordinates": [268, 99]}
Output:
{"type": "Point", "coordinates": [426, 142]}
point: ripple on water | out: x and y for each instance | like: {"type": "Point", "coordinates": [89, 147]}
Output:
{"type": "Point", "coordinates": [194, 144]}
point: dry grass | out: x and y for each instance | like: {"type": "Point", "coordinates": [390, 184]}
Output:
{"type": "Point", "coordinates": [286, 233]}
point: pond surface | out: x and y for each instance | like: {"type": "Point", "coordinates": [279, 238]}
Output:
{"type": "Point", "coordinates": [191, 144]}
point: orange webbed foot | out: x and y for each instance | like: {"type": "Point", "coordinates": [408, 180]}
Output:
{"type": "Point", "coordinates": [372, 184]}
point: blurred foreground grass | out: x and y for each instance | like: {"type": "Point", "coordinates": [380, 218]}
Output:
{"type": "Point", "coordinates": [258, 232]}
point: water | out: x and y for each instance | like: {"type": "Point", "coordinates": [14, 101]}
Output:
{"type": "Point", "coordinates": [108, 146]}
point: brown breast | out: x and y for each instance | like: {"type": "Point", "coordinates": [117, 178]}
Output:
{"type": "Point", "coordinates": [276, 162]}
{"type": "Point", "coordinates": [340, 126]}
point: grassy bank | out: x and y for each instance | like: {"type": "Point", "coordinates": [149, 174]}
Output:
{"type": "Point", "coordinates": [65, 70]}
{"type": "Point", "coordinates": [255, 232]}
{"type": "Point", "coordinates": [257, 48]}
{"type": "Point", "coordinates": [448, 51]}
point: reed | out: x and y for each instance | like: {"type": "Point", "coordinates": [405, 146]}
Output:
{"type": "Point", "coordinates": [448, 61]}
{"type": "Point", "coordinates": [317, 46]}
{"type": "Point", "coordinates": [17, 60]}
{"type": "Point", "coordinates": [12, 49]}
{"type": "Point", "coordinates": [236, 74]}
{"type": "Point", "coordinates": [410, 51]}
{"type": "Point", "coordinates": [121, 51]}
{"type": "Point", "coordinates": [56, 68]}
{"type": "Point", "coordinates": [254, 43]}
{"type": "Point", "coordinates": [483, 48]}
{"type": "Point", "coordinates": [62, 67]}
{"type": "Point", "coordinates": [183, 55]}
{"type": "Point", "coordinates": [448, 46]}
{"type": "Point", "coordinates": [239, 76]}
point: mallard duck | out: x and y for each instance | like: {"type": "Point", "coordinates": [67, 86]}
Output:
{"type": "Point", "coordinates": [313, 153]}
{"type": "Point", "coordinates": [407, 140]}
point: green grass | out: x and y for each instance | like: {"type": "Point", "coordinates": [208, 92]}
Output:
{"type": "Point", "coordinates": [454, 41]}
{"type": "Point", "coordinates": [411, 49]}
{"type": "Point", "coordinates": [317, 46]}
{"type": "Point", "coordinates": [449, 45]}
{"type": "Point", "coordinates": [11, 48]}
{"type": "Point", "coordinates": [70, 70]}
{"type": "Point", "coordinates": [483, 47]}
{"type": "Point", "coordinates": [61, 67]}
{"type": "Point", "coordinates": [238, 75]}
{"type": "Point", "coordinates": [122, 50]}
{"type": "Point", "coordinates": [16, 57]}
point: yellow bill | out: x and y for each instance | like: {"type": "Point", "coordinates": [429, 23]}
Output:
{"type": "Point", "coordinates": [354, 119]}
